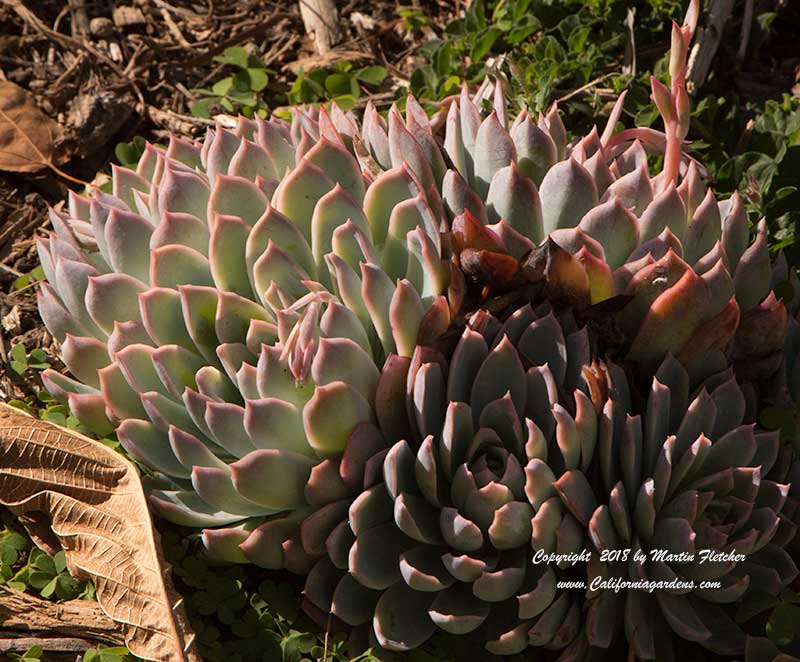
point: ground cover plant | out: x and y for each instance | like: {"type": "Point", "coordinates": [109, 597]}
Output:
{"type": "Point", "coordinates": [319, 342]}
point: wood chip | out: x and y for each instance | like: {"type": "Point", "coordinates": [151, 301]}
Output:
{"type": "Point", "coordinates": [99, 115]}
{"type": "Point", "coordinates": [126, 17]}
{"type": "Point", "coordinates": [11, 322]}
{"type": "Point", "coordinates": [322, 23]}
{"type": "Point", "coordinates": [329, 59]}
{"type": "Point", "coordinates": [101, 27]}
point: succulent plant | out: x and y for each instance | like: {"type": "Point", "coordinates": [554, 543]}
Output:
{"type": "Point", "coordinates": [699, 494]}
{"type": "Point", "coordinates": [523, 444]}
{"type": "Point", "coordinates": [407, 354]}
{"type": "Point", "coordinates": [228, 308]}
{"type": "Point", "coordinates": [762, 648]}
{"type": "Point", "coordinates": [587, 222]}
{"type": "Point", "coordinates": [431, 516]}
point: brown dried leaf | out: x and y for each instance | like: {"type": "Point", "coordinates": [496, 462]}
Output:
{"type": "Point", "coordinates": [92, 499]}
{"type": "Point", "coordinates": [26, 133]}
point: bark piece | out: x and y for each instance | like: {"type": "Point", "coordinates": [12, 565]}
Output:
{"type": "Point", "coordinates": [75, 618]}
{"type": "Point", "coordinates": [95, 117]}
{"type": "Point", "coordinates": [321, 21]}
{"type": "Point", "coordinates": [80, 19]}
{"type": "Point", "coordinates": [128, 17]}
{"type": "Point", "coordinates": [707, 42]}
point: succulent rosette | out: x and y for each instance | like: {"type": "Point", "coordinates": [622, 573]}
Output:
{"type": "Point", "coordinates": [430, 518]}
{"type": "Point", "coordinates": [701, 497]}
{"type": "Point", "coordinates": [227, 309]}
{"type": "Point", "coordinates": [589, 222]}
{"type": "Point", "coordinates": [280, 322]}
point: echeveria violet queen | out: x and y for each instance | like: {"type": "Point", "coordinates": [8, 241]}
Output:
{"type": "Point", "coordinates": [403, 354]}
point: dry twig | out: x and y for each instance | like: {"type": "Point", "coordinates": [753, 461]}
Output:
{"type": "Point", "coordinates": [174, 29]}
{"type": "Point", "coordinates": [79, 19]}
{"type": "Point", "coordinates": [589, 85]}
{"type": "Point", "coordinates": [707, 42]}
{"type": "Point", "coordinates": [747, 25]}
{"type": "Point", "coordinates": [239, 38]}
{"type": "Point", "coordinates": [72, 44]}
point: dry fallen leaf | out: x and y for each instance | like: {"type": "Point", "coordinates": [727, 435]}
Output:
{"type": "Point", "coordinates": [79, 494]}
{"type": "Point", "coordinates": [26, 133]}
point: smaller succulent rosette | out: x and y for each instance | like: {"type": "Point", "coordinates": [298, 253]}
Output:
{"type": "Point", "coordinates": [692, 279]}
{"type": "Point", "coordinates": [431, 517]}
{"type": "Point", "coordinates": [593, 223]}
{"type": "Point", "coordinates": [702, 496]}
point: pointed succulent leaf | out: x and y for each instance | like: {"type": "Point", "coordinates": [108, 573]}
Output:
{"type": "Point", "coordinates": [614, 227]}
{"type": "Point", "coordinates": [567, 192]}
{"type": "Point", "coordinates": [331, 415]}
{"type": "Point", "coordinates": [272, 478]}
{"type": "Point", "coordinates": [514, 198]}
{"type": "Point", "coordinates": [752, 272]}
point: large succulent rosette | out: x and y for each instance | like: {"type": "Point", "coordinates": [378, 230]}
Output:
{"type": "Point", "coordinates": [431, 517]}
{"type": "Point", "coordinates": [227, 309]}
{"type": "Point", "coordinates": [701, 496]}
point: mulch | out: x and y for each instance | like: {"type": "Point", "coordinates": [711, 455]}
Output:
{"type": "Point", "coordinates": [109, 70]}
